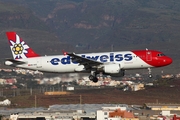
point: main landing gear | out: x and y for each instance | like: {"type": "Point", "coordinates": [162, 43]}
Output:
{"type": "Point", "coordinates": [149, 71]}
{"type": "Point", "coordinates": [93, 77]}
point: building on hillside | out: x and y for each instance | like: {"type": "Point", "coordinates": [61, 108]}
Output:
{"type": "Point", "coordinates": [53, 115]}
{"type": "Point", "coordinates": [136, 87]}
{"type": "Point", "coordinates": [115, 113]}
{"type": "Point", "coordinates": [122, 114]}
{"type": "Point", "coordinates": [175, 117]}
{"type": "Point", "coordinates": [2, 81]}
{"type": "Point", "coordinates": [57, 93]}
{"type": "Point", "coordinates": [159, 106]}
{"type": "Point", "coordinates": [10, 81]}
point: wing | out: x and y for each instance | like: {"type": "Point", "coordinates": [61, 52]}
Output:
{"type": "Point", "coordinates": [88, 63]}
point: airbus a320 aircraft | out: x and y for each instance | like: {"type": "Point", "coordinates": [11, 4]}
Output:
{"type": "Point", "coordinates": [108, 63]}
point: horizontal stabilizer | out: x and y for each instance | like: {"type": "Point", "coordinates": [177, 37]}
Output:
{"type": "Point", "coordinates": [13, 62]}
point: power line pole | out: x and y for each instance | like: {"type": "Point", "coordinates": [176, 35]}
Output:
{"type": "Point", "coordinates": [35, 102]}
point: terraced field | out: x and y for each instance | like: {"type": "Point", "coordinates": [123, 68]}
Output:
{"type": "Point", "coordinates": [160, 94]}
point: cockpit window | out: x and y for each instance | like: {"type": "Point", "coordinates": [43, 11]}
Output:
{"type": "Point", "coordinates": [161, 54]}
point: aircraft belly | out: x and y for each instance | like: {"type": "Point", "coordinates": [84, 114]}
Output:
{"type": "Point", "coordinates": [59, 68]}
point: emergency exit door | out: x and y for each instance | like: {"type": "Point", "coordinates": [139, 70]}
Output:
{"type": "Point", "coordinates": [148, 56]}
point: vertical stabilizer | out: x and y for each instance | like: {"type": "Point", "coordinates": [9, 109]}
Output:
{"type": "Point", "coordinates": [19, 48]}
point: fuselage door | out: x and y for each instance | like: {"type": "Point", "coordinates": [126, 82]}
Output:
{"type": "Point", "coordinates": [39, 64]}
{"type": "Point", "coordinates": [149, 56]}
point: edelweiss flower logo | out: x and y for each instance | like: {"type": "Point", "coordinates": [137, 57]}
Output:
{"type": "Point", "coordinates": [19, 48]}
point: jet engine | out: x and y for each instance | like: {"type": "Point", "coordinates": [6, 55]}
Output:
{"type": "Point", "coordinates": [111, 68]}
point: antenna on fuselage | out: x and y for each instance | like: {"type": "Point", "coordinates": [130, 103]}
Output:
{"type": "Point", "coordinates": [146, 49]}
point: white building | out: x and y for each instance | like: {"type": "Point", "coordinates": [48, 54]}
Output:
{"type": "Point", "coordinates": [6, 102]}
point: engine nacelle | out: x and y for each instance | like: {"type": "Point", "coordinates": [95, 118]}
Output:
{"type": "Point", "coordinates": [112, 68]}
{"type": "Point", "coordinates": [80, 68]}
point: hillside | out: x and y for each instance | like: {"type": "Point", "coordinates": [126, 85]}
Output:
{"type": "Point", "coordinates": [99, 23]}
{"type": "Point", "coordinates": [161, 94]}
{"type": "Point", "coordinates": [35, 32]}
{"type": "Point", "coordinates": [91, 25]}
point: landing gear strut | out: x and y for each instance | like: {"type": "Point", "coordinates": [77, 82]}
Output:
{"type": "Point", "coordinates": [149, 71]}
{"type": "Point", "coordinates": [93, 77]}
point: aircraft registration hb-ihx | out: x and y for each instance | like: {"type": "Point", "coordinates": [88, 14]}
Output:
{"type": "Point", "coordinates": [108, 63]}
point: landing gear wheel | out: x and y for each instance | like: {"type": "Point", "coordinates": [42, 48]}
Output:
{"type": "Point", "coordinates": [93, 78]}
{"type": "Point", "coordinates": [149, 70]}
{"type": "Point", "coordinates": [150, 76]}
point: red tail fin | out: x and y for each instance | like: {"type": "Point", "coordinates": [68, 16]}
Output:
{"type": "Point", "coordinates": [18, 47]}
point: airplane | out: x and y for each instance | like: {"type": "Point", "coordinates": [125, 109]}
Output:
{"type": "Point", "coordinates": [107, 63]}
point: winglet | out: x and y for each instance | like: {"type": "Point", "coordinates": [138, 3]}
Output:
{"type": "Point", "coordinates": [18, 47]}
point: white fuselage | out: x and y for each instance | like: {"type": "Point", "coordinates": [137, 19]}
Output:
{"type": "Point", "coordinates": [64, 64]}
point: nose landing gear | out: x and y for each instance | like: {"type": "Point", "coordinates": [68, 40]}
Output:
{"type": "Point", "coordinates": [149, 71]}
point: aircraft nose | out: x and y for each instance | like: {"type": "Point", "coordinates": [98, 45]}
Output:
{"type": "Point", "coordinates": [168, 60]}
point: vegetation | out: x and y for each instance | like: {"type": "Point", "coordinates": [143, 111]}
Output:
{"type": "Point", "coordinates": [162, 93]}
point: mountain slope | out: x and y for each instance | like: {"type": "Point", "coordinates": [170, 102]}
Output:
{"type": "Point", "coordinates": [35, 32]}
{"type": "Point", "coordinates": [97, 24]}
